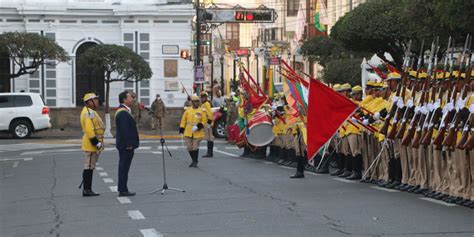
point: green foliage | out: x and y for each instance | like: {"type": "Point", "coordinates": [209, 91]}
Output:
{"type": "Point", "coordinates": [118, 61]}
{"type": "Point", "coordinates": [30, 51]}
{"type": "Point", "coordinates": [323, 49]}
{"type": "Point", "coordinates": [344, 70]}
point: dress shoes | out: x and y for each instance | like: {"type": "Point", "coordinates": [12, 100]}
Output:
{"type": "Point", "coordinates": [89, 193]}
{"type": "Point", "coordinates": [298, 175]}
{"type": "Point", "coordinates": [337, 172]}
{"type": "Point", "coordinates": [354, 176]}
{"type": "Point", "coordinates": [345, 174]}
{"type": "Point", "coordinates": [126, 194]}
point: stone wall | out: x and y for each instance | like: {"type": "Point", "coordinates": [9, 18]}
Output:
{"type": "Point", "coordinates": [68, 118]}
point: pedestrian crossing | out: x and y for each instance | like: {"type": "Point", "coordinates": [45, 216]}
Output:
{"type": "Point", "coordinates": [31, 146]}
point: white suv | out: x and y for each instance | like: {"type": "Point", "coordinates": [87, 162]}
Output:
{"type": "Point", "coordinates": [23, 113]}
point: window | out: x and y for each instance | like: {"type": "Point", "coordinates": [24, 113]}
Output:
{"type": "Point", "coordinates": [292, 7]}
{"type": "Point", "coordinates": [23, 101]}
{"type": "Point", "coordinates": [6, 101]}
{"type": "Point", "coordinates": [232, 36]}
{"type": "Point", "coordinates": [171, 68]}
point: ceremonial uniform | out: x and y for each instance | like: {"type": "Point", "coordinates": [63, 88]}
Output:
{"type": "Point", "coordinates": [158, 110]}
{"type": "Point", "coordinates": [192, 128]}
{"type": "Point", "coordinates": [209, 117]}
{"type": "Point", "coordinates": [92, 142]}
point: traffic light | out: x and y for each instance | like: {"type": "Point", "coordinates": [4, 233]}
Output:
{"type": "Point", "coordinates": [184, 54]}
{"type": "Point", "coordinates": [254, 16]}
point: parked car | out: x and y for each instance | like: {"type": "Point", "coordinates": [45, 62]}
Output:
{"type": "Point", "coordinates": [219, 123]}
{"type": "Point", "coordinates": [23, 113]}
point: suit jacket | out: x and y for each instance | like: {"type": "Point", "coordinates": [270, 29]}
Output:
{"type": "Point", "coordinates": [126, 129]}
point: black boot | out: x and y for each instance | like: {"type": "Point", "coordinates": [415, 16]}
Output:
{"type": "Point", "coordinates": [283, 156]}
{"type": "Point", "coordinates": [196, 157]}
{"type": "Point", "coordinates": [210, 149]}
{"type": "Point", "coordinates": [191, 154]}
{"type": "Point", "coordinates": [291, 158]}
{"type": "Point", "coordinates": [276, 153]}
{"type": "Point", "coordinates": [340, 165]}
{"type": "Point", "coordinates": [300, 167]}
{"type": "Point", "coordinates": [87, 178]}
{"type": "Point", "coordinates": [347, 167]}
{"type": "Point", "coordinates": [246, 152]}
{"type": "Point", "coordinates": [356, 168]}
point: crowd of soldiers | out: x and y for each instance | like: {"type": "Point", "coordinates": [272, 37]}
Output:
{"type": "Point", "coordinates": [413, 132]}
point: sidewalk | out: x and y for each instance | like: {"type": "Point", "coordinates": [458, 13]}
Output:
{"type": "Point", "coordinates": [77, 134]}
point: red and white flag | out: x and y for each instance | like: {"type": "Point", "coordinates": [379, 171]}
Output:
{"type": "Point", "coordinates": [327, 110]}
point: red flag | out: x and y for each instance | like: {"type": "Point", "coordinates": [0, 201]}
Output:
{"type": "Point", "coordinates": [327, 110]}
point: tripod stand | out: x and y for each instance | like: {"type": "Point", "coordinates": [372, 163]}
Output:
{"type": "Point", "coordinates": [165, 185]}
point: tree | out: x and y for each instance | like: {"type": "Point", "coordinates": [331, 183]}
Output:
{"type": "Point", "coordinates": [344, 70]}
{"type": "Point", "coordinates": [323, 49]}
{"type": "Point", "coordinates": [118, 63]}
{"type": "Point", "coordinates": [29, 51]}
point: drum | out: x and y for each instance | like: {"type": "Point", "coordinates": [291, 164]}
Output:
{"type": "Point", "coordinates": [260, 126]}
{"type": "Point", "coordinates": [233, 133]}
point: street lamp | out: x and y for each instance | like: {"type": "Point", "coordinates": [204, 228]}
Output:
{"type": "Point", "coordinates": [221, 60]}
{"type": "Point", "coordinates": [211, 60]}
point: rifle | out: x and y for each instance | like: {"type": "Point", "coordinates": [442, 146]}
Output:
{"type": "Point", "coordinates": [400, 87]}
{"type": "Point", "coordinates": [448, 110]}
{"type": "Point", "coordinates": [467, 124]}
{"type": "Point", "coordinates": [425, 110]}
{"type": "Point", "coordinates": [460, 112]}
{"type": "Point", "coordinates": [436, 113]}
{"type": "Point", "coordinates": [409, 108]}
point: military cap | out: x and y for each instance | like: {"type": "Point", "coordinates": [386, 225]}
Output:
{"type": "Point", "coordinates": [346, 87]}
{"type": "Point", "coordinates": [89, 96]}
{"type": "Point", "coordinates": [393, 76]}
{"type": "Point", "coordinates": [204, 94]}
{"type": "Point", "coordinates": [336, 87]}
{"type": "Point", "coordinates": [194, 98]}
{"type": "Point", "coordinates": [357, 88]}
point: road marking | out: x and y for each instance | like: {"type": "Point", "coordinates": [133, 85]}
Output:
{"type": "Point", "coordinates": [180, 147]}
{"type": "Point", "coordinates": [438, 202]}
{"type": "Point", "coordinates": [268, 163]}
{"type": "Point", "coordinates": [311, 173]}
{"type": "Point", "coordinates": [226, 153]}
{"type": "Point", "coordinates": [157, 152]}
{"type": "Point", "coordinates": [108, 180]}
{"type": "Point", "coordinates": [124, 200]}
{"type": "Point", "coordinates": [113, 188]}
{"type": "Point", "coordinates": [102, 174]}
{"type": "Point", "coordinates": [15, 164]}
{"type": "Point", "coordinates": [232, 148]}
{"type": "Point", "coordinates": [27, 159]}
{"type": "Point", "coordinates": [144, 148]}
{"type": "Point", "coordinates": [286, 167]}
{"type": "Point", "coordinates": [109, 149]}
{"type": "Point", "coordinates": [14, 159]}
{"type": "Point", "coordinates": [99, 168]}
{"type": "Point", "coordinates": [344, 180]}
{"type": "Point", "coordinates": [31, 153]}
{"type": "Point", "coordinates": [66, 150]}
{"type": "Point", "coordinates": [385, 189]}
{"type": "Point", "coordinates": [136, 215]}
{"type": "Point", "coordinates": [150, 233]}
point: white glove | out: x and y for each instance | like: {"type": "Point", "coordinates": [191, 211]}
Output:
{"type": "Point", "coordinates": [460, 103]}
{"type": "Point", "coordinates": [471, 108]}
{"type": "Point", "coordinates": [424, 110]}
{"type": "Point", "coordinates": [365, 122]}
{"type": "Point", "coordinates": [99, 145]}
{"type": "Point", "coordinates": [400, 104]}
{"type": "Point", "coordinates": [410, 103]}
{"type": "Point", "coordinates": [376, 116]}
{"type": "Point", "coordinates": [354, 120]}
{"type": "Point", "coordinates": [274, 107]}
{"type": "Point", "coordinates": [195, 128]}
{"type": "Point", "coordinates": [208, 126]}
{"type": "Point", "coordinates": [417, 109]}
{"type": "Point", "coordinates": [448, 107]}
{"type": "Point", "coordinates": [437, 104]}
{"type": "Point", "coordinates": [430, 106]}
{"type": "Point", "coordinates": [395, 99]}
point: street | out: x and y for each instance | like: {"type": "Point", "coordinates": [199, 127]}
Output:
{"type": "Point", "coordinates": [226, 196]}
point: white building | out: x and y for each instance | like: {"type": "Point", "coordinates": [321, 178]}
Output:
{"type": "Point", "coordinates": [155, 29]}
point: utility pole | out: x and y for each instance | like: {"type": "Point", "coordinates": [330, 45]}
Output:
{"type": "Point", "coordinates": [197, 60]}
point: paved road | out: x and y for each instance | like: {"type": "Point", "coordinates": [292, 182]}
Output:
{"type": "Point", "coordinates": [225, 196]}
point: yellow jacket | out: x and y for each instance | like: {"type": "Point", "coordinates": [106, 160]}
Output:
{"type": "Point", "coordinates": [193, 117]}
{"type": "Point", "coordinates": [93, 127]}
{"type": "Point", "coordinates": [206, 107]}
{"type": "Point", "coordinates": [279, 126]}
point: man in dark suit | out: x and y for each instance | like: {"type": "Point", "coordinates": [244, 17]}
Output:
{"type": "Point", "coordinates": [126, 140]}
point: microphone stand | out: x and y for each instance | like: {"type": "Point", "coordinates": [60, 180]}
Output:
{"type": "Point", "coordinates": [165, 185]}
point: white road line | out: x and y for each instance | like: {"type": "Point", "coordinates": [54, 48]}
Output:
{"type": "Point", "coordinates": [124, 200]}
{"type": "Point", "coordinates": [226, 153]}
{"type": "Point", "coordinates": [181, 147]}
{"type": "Point", "coordinates": [344, 180]}
{"type": "Point", "coordinates": [14, 159]}
{"type": "Point", "coordinates": [232, 148]}
{"type": "Point", "coordinates": [136, 215]}
{"type": "Point", "coordinates": [144, 148]}
{"type": "Point", "coordinates": [268, 163]}
{"type": "Point", "coordinates": [113, 188]}
{"type": "Point", "coordinates": [27, 159]}
{"type": "Point", "coordinates": [15, 164]}
{"type": "Point", "coordinates": [385, 189]}
{"type": "Point", "coordinates": [311, 173]}
{"type": "Point", "coordinates": [286, 167]}
{"type": "Point", "coordinates": [66, 150]}
{"type": "Point", "coordinates": [108, 180]}
{"type": "Point", "coordinates": [150, 233]}
{"type": "Point", "coordinates": [103, 174]}
{"type": "Point", "coordinates": [438, 202]}
{"type": "Point", "coordinates": [31, 153]}
{"type": "Point", "coordinates": [99, 168]}
{"type": "Point", "coordinates": [156, 152]}
{"type": "Point", "coordinates": [109, 149]}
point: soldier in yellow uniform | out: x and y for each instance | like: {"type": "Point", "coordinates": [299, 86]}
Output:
{"type": "Point", "coordinates": [207, 109]}
{"type": "Point", "coordinates": [92, 141]}
{"type": "Point", "coordinates": [354, 138]}
{"type": "Point", "coordinates": [192, 127]}
{"type": "Point", "coordinates": [299, 130]}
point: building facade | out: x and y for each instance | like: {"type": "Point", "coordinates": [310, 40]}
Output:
{"type": "Point", "coordinates": [157, 30]}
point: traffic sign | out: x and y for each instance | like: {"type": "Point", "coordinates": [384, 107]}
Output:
{"type": "Point", "coordinates": [199, 74]}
